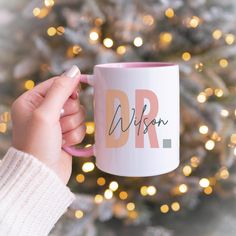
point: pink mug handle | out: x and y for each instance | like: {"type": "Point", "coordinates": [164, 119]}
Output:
{"type": "Point", "coordinates": [89, 151]}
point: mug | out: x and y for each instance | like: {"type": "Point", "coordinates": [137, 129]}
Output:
{"type": "Point", "coordinates": [136, 115]}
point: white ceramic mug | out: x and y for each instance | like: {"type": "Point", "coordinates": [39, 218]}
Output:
{"type": "Point", "coordinates": [136, 114]}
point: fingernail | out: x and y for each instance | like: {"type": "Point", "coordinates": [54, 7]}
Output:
{"type": "Point", "coordinates": [72, 72]}
{"type": "Point", "coordinates": [63, 141]}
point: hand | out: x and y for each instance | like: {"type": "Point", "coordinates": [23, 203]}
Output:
{"type": "Point", "coordinates": [40, 129]}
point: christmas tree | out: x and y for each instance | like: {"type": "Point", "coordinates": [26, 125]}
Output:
{"type": "Point", "coordinates": [39, 39]}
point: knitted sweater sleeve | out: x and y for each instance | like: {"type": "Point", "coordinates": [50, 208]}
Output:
{"type": "Point", "coordinates": [32, 197]}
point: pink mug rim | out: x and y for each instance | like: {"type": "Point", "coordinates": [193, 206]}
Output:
{"type": "Point", "coordinates": [136, 65]}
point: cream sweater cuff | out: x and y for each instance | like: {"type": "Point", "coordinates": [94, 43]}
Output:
{"type": "Point", "coordinates": [32, 197]}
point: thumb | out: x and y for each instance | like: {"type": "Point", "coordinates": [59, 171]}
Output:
{"type": "Point", "coordinates": [60, 90]}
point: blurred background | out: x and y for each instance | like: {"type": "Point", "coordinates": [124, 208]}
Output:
{"type": "Point", "coordinates": [39, 39]}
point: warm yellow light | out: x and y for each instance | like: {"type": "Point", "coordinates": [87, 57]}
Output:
{"type": "Point", "coordinates": [204, 182]}
{"type": "Point", "coordinates": [223, 63]}
{"type": "Point", "coordinates": [80, 178]}
{"type": "Point", "coordinates": [175, 206]}
{"type": "Point", "coordinates": [224, 173]}
{"type": "Point", "coordinates": [51, 31]}
{"type": "Point", "coordinates": [90, 127]}
{"type": "Point", "coordinates": [194, 22]}
{"type": "Point", "coordinates": [29, 84]}
{"type": "Point", "coordinates": [201, 98]}
{"type": "Point", "coordinates": [203, 129]}
{"type": "Point", "coordinates": [93, 35]}
{"type": "Point", "coordinates": [79, 214]}
{"type": "Point", "coordinates": [108, 194]}
{"type": "Point", "coordinates": [60, 30]}
{"type": "Point", "coordinates": [169, 13]}
{"type": "Point", "coordinates": [224, 113]}
{"type": "Point", "coordinates": [219, 93]}
{"type": "Point", "coordinates": [76, 49]}
{"type": "Point", "coordinates": [186, 56]}
{"type": "Point", "coordinates": [183, 188]}
{"type": "Point", "coordinates": [187, 170]}
{"type": "Point", "coordinates": [151, 190]}
{"type": "Point", "coordinates": [199, 66]}
{"type": "Point", "coordinates": [88, 167]}
{"type": "Point", "coordinates": [121, 50]}
{"type": "Point", "coordinates": [5, 116]}
{"type": "Point", "coordinates": [113, 186]}
{"type": "Point", "coordinates": [208, 190]}
{"type": "Point", "coordinates": [48, 3]}
{"type": "Point", "coordinates": [233, 138]}
{"type": "Point", "coordinates": [36, 11]}
{"type": "Point", "coordinates": [108, 42]}
{"type": "Point", "coordinates": [138, 42]}
{"type": "Point", "coordinates": [143, 190]}
{"type": "Point", "coordinates": [98, 198]}
{"type": "Point", "coordinates": [98, 21]}
{"type": "Point", "coordinates": [166, 37]}
{"type": "Point", "coordinates": [229, 39]}
{"type": "Point", "coordinates": [210, 144]}
{"type": "Point", "coordinates": [164, 208]}
{"type": "Point", "coordinates": [130, 206]}
{"type": "Point", "coordinates": [194, 161]}
{"type": "Point", "coordinates": [42, 13]}
{"type": "Point", "coordinates": [148, 20]}
{"type": "Point", "coordinates": [209, 91]}
{"type": "Point", "coordinates": [217, 34]}
{"type": "Point", "coordinates": [3, 127]}
{"type": "Point", "coordinates": [133, 214]}
{"type": "Point", "coordinates": [215, 136]}
{"type": "Point", "coordinates": [123, 195]}
{"type": "Point", "coordinates": [101, 181]}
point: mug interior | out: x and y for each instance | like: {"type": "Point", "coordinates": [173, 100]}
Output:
{"type": "Point", "coordinates": [135, 64]}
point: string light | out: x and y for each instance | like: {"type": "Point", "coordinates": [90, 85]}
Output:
{"type": "Point", "coordinates": [194, 22]}
{"type": "Point", "coordinates": [48, 3]}
{"type": "Point", "coordinates": [199, 66]}
{"type": "Point", "coordinates": [143, 191]}
{"type": "Point", "coordinates": [76, 49]}
{"type": "Point", "coordinates": [108, 43]}
{"type": "Point", "coordinates": [93, 36]}
{"type": "Point", "coordinates": [164, 208]}
{"type": "Point", "coordinates": [98, 198]}
{"type": "Point", "coordinates": [90, 128]}
{"type": "Point", "coordinates": [233, 138]}
{"type": "Point", "coordinates": [187, 170]}
{"type": "Point", "coordinates": [123, 195]}
{"type": "Point", "coordinates": [208, 190]}
{"type": "Point", "coordinates": [88, 167]}
{"type": "Point", "coordinates": [79, 214]}
{"type": "Point", "coordinates": [229, 39]}
{"type": "Point", "coordinates": [209, 145]}
{"type": "Point", "coordinates": [130, 206]}
{"type": "Point", "coordinates": [36, 11]}
{"type": "Point", "coordinates": [29, 84]}
{"type": "Point", "coordinates": [5, 117]}
{"type": "Point", "coordinates": [98, 21]}
{"type": "Point", "coordinates": [60, 30]}
{"type": "Point", "coordinates": [42, 13]}
{"type": "Point", "coordinates": [151, 190]}
{"type": "Point", "coordinates": [3, 127]}
{"type": "Point", "coordinates": [133, 214]}
{"type": "Point", "coordinates": [203, 129]}
{"type": "Point", "coordinates": [215, 136]}
{"type": "Point", "coordinates": [51, 31]}
{"type": "Point", "coordinates": [224, 113]}
{"type": "Point", "coordinates": [148, 20]}
{"type": "Point", "coordinates": [219, 93]}
{"type": "Point", "coordinates": [101, 181]}
{"type": "Point", "coordinates": [183, 188]}
{"type": "Point", "coordinates": [224, 173]}
{"type": "Point", "coordinates": [166, 37]}
{"type": "Point", "coordinates": [223, 63]}
{"type": "Point", "coordinates": [121, 50]}
{"type": "Point", "coordinates": [175, 206]}
{"type": "Point", "coordinates": [80, 178]}
{"type": "Point", "coordinates": [113, 186]}
{"type": "Point", "coordinates": [209, 91]}
{"type": "Point", "coordinates": [169, 13]}
{"type": "Point", "coordinates": [204, 182]}
{"type": "Point", "coordinates": [194, 161]}
{"type": "Point", "coordinates": [217, 34]}
{"type": "Point", "coordinates": [186, 56]}
{"type": "Point", "coordinates": [138, 42]}
{"type": "Point", "coordinates": [201, 98]}
{"type": "Point", "coordinates": [108, 194]}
